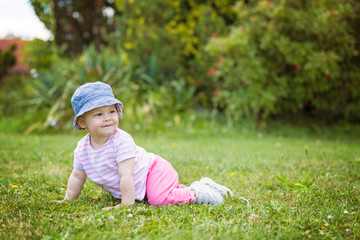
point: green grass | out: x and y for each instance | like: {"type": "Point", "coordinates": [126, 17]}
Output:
{"type": "Point", "coordinates": [293, 194]}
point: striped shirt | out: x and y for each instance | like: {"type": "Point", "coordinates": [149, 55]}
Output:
{"type": "Point", "coordinates": [101, 164]}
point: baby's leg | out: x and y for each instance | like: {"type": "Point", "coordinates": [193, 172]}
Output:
{"type": "Point", "coordinates": [162, 185]}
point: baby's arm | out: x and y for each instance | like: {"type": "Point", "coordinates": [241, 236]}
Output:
{"type": "Point", "coordinates": [127, 185]}
{"type": "Point", "coordinates": [75, 184]}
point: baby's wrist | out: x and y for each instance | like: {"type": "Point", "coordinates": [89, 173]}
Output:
{"type": "Point", "coordinates": [119, 205]}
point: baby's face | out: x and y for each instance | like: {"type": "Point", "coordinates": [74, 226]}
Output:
{"type": "Point", "coordinates": [100, 122]}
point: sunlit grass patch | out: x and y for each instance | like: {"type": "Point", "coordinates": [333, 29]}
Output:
{"type": "Point", "coordinates": [284, 187]}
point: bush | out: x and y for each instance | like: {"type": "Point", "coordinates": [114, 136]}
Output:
{"type": "Point", "coordinates": [7, 60]}
{"type": "Point", "coordinates": [144, 100]}
{"type": "Point", "coordinates": [289, 57]}
{"type": "Point", "coordinates": [40, 55]}
{"type": "Point", "coordinates": [15, 115]}
{"type": "Point", "coordinates": [51, 89]}
{"type": "Point", "coordinates": [167, 38]}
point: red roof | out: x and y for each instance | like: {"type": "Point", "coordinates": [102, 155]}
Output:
{"type": "Point", "coordinates": [20, 67]}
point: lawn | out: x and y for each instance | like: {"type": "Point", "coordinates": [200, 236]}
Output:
{"type": "Point", "coordinates": [286, 186]}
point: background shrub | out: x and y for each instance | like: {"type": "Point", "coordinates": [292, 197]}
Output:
{"type": "Point", "coordinates": [7, 60]}
{"type": "Point", "coordinates": [167, 38]}
{"type": "Point", "coordinates": [49, 92]}
{"type": "Point", "coordinates": [168, 59]}
{"type": "Point", "coordinates": [290, 57]}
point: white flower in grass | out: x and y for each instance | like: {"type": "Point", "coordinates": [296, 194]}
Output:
{"type": "Point", "coordinates": [346, 212]}
{"type": "Point", "coordinates": [329, 217]}
{"type": "Point", "coordinates": [253, 217]}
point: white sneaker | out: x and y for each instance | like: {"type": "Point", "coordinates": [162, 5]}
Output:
{"type": "Point", "coordinates": [205, 194]}
{"type": "Point", "coordinates": [219, 188]}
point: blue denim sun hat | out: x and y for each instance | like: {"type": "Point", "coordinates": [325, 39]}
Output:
{"type": "Point", "coordinates": [90, 96]}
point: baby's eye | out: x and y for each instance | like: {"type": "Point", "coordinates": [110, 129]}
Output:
{"type": "Point", "coordinates": [98, 114]}
{"type": "Point", "coordinates": [112, 111]}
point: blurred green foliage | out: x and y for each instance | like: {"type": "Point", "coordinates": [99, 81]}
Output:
{"type": "Point", "coordinates": [260, 59]}
{"type": "Point", "coordinates": [168, 37]}
{"type": "Point", "coordinates": [44, 11]}
{"type": "Point", "coordinates": [290, 57]}
{"type": "Point", "coordinates": [47, 95]}
{"type": "Point", "coordinates": [7, 60]}
{"type": "Point", "coordinates": [42, 54]}
{"type": "Point", "coordinates": [52, 88]}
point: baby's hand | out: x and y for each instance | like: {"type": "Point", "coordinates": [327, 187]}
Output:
{"type": "Point", "coordinates": [108, 208]}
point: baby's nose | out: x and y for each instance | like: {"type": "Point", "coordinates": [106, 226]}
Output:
{"type": "Point", "coordinates": [107, 117]}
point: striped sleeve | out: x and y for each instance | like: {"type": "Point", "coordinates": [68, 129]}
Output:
{"type": "Point", "coordinates": [125, 147]}
{"type": "Point", "coordinates": [77, 165]}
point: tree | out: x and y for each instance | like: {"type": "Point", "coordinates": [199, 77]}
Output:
{"type": "Point", "coordinates": [76, 23]}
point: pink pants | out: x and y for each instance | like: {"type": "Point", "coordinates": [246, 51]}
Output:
{"type": "Point", "coordinates": [162, 185]}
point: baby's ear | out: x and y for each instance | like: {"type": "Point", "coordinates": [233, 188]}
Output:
{"type": "Point", "coordinates": [80, 121]}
